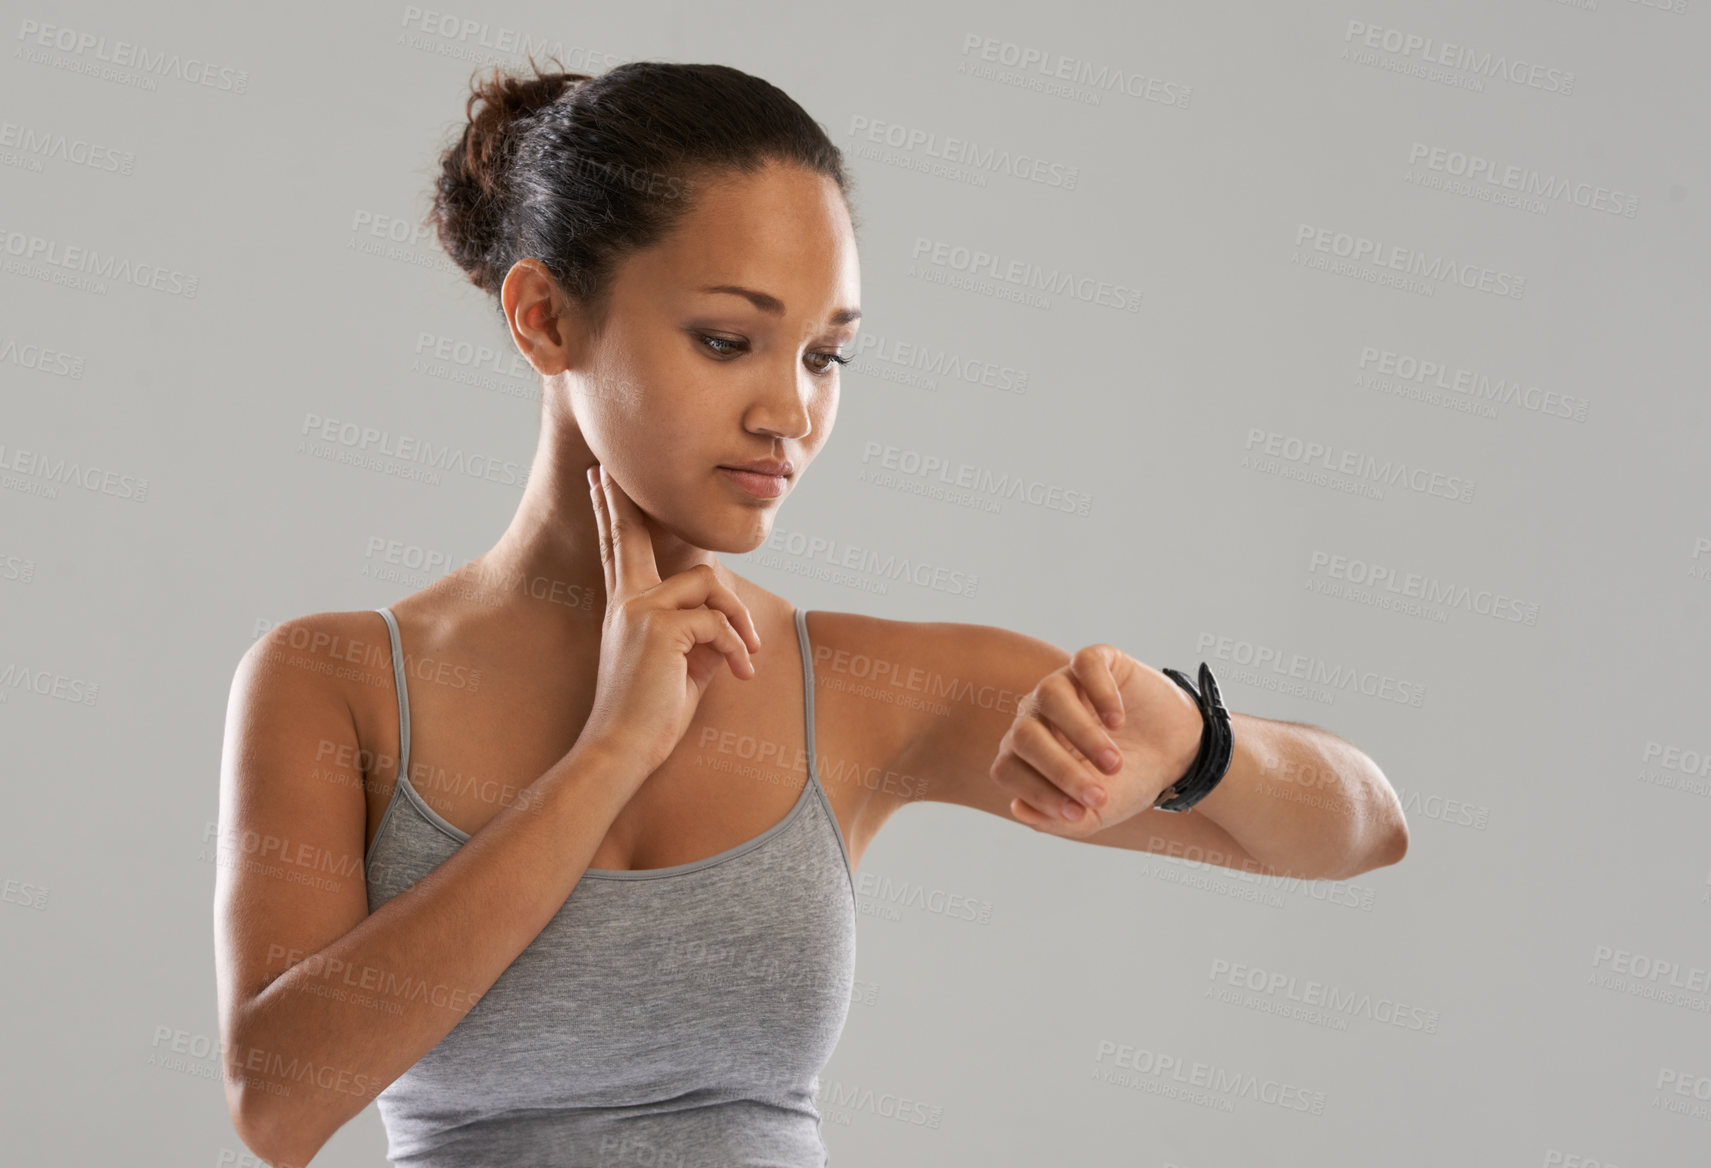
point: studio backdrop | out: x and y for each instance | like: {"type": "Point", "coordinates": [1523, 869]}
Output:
{"type": "Point", "coordinates": [1355, 349]}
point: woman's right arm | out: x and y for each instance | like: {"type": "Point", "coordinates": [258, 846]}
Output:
{"type": "Point", "coordinates": [322, 1004]}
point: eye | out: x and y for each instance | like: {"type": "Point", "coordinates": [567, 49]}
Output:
{"type": "Point", "coordinates": [726, 347]}
{"type": "Point", "coordinates": [710, 341]}
{"type": "Point", "coordinates": [831, 359]}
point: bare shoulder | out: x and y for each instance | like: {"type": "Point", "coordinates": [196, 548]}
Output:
{"type": "Point", "coordinates": [944, 692]}
{"type": "Point", "coordinates": [326, 651]}
{"type": "Point", "coordinates": [318, 664]}
{"type": "Point", "coordinates": [291, 769]}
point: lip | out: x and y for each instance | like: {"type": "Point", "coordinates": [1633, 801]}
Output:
{"type": "Point", "coordinates": [763, 486]}
{"type": "Point", "coordinates": [765, 466]}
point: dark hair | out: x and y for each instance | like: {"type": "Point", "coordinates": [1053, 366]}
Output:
{"type": "Point", "coordinates": [579, 171]}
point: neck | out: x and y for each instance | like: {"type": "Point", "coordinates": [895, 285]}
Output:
{"type": "Point", "coordinates": [551, 550]}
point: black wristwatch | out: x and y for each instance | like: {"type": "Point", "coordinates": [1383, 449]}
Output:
{"type": "Point", "coordinates": [1216, 741]}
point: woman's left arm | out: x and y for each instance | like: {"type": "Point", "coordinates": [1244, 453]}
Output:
{"type": "Point", "coordinates": [1296, 799]}
{"type": "Point", "coordinates": [1299, 800]}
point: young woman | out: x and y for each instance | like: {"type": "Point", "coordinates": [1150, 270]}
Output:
{"type": "Point", "coordinates": [556, 856]}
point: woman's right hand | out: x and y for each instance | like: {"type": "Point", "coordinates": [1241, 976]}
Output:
{"type": "Point", "coordinates": [661, 642]}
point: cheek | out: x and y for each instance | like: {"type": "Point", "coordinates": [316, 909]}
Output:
{"type": "Point", "coordinates": [616, 394]}
{"type": "Point", "coordinates": [823, 416]}
{"type": "Point", "coordinates": [627, 407]}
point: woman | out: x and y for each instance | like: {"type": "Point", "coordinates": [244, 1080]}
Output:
{"type": "Point", "coordinates": [581, 936]}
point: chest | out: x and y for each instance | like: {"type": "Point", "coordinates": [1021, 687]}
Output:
{"type": "Point", "coordinates": [482, 730]}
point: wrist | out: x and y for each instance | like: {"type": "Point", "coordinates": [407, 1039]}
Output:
{"type": "Point", "coordinates": [1185, 738]}
{"type": "Point", "coordinates": [1212, 756]}
{"type": "Point", "coordinates": [617, 760]}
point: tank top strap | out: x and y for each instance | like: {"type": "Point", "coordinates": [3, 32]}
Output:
{"type": "Point", "coordinates": [802, 643]}
{"type": "Point", "coordinates": [403, 694]}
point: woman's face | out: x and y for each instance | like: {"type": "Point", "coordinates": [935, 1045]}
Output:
{"type": "Point", "coordinates": [691, 375]}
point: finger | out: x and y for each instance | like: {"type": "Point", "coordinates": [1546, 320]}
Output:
{"type": "Point", "coordinates": [1028, 814]}
{"type": "Point", "coordinates": [720, 596]}
{"type": "Point", "coordinates": [632, 548]}
{"type": "Point", "coordinates": [1038, 768]}
{"type": "Point", "coordinates": [1061, 705]}
{"type": "Point", "coordinates": [597, 498]}
{"type": "Point", "coordinates": [706, 626]}
{"type": "Point", "coordinates": [1092, 668]}
{"type": "Point", "coordinates": [701, 585]}
{"type": "Point", "coordinates": [1040, 746]}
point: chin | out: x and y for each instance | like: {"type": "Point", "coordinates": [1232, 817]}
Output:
{"type": "Point", "coordinates": [744, 538]}
{"type": "Point", "coordinates": [731, 534]}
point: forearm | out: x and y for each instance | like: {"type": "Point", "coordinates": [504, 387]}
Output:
{"type": "Point", "coordinates": [335, 1028]}
{"type": "Point", "coordinates": [1306, 803]}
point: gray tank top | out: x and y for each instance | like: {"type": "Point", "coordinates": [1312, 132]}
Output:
{"type": "Point", "coordinates": [663, 1018]}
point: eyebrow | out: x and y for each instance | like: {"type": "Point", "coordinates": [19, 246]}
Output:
{"type": "Point", "coordinates": [775, 306]}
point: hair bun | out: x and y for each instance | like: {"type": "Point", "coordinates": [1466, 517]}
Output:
{"type": "Point", "coordinates": [472, 193]}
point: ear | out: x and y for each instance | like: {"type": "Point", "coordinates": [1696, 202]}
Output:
{"type": "Point", "coordinates": [546, 325]}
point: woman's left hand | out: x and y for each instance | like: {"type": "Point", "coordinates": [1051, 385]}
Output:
{"type": "Point", "coordinates": [1048, 758]}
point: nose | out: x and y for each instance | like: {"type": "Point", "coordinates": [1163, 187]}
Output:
{"type": "Point", "coordinates": [780, 406]}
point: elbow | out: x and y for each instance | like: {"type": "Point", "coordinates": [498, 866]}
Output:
{"type": "Point", "coordinates": [277, 1137]}
{"type": "Point", "coordinates": [258, 1128]}
{"type": "Point", "coordinates": [1364, 857]}
{"type": "Point", "coordinates": [1395, 834]}
{"type": "Point", "coordinates": [1392, 847]}
{"type": "Point", "coordinates": [1398, 842]}
{"type": "Point", "coordinates": [1384, 836]}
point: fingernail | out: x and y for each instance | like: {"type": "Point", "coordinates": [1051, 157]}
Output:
{"type": "Point", "coordinates": [1072, 810]}
{"type": "Point", "coordinates": [1110, 760]}
{"type": "Point", "coordinates": [1094, 796]}
{"type": "Point", "coordinates": [1113, 719]}
{"type": "Point", "coordinates": [591, 476]}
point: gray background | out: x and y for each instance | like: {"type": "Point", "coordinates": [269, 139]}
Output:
{"type": "Point", "coordinates": [1553, 770]}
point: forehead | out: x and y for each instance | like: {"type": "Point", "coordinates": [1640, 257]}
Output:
{"type": "Point", "coordinates": [782, 229]}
